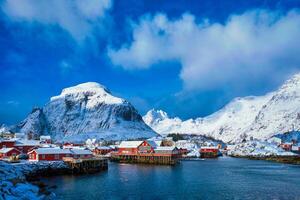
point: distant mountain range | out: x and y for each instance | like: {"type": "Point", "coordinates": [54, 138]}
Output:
{"type": "Point", "coordinates": [85, 111]}
{"type": "Point", "coordinates": [258, 117]}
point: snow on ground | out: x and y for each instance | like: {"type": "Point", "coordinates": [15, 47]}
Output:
{"type": "Point", "coordinates": [13, 184]}
{"type": "Point", "coordinates": [191, 146]}
{"type": "Point", "coordinates": [258, 149]}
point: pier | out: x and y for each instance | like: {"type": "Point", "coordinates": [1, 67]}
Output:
{"type": "Point", "coordinates": [146, 159]}
{"type": "Point", "coordinates": [86, 165]}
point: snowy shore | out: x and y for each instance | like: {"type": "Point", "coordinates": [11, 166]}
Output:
{"type": "Point", "coordinates": [257, 148]}
{"type": "Point", "coordinates": [262, 150]}
{"type": "Point", "coordinates": [14, 179]}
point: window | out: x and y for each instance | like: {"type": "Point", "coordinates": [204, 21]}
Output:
{"type": "Point", "coordinates": [43, 156]}
{"type": "Point", "coordinates": [56, 157]}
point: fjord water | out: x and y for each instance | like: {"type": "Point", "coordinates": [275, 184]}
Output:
{"type": "Point", "coordinates": [222, 178]}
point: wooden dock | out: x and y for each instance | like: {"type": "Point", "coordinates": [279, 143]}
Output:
{"type": "Point", "coordinates": [86, 165]}
{"type": "Point", "coordinates": [145, 159]}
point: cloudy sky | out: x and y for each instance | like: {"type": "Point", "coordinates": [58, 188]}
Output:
{"type": "Point", "coordinates": [187, 57]}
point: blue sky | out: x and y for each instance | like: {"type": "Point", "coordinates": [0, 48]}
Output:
{"type": "Point", "coordinates": [188, 58]}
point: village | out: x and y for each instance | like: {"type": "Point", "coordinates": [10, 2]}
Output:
{"type": "Point", "coordinates": [85, 157]}
{"type": "Point", "coordinates": [16, 147]}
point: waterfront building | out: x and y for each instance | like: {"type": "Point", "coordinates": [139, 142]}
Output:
{"type": "Point", "coordinates": [145, 152]}
{"type": "Point", "coordinates": [55, 154]}
{"type": "Point", "coordinates": [8, 152]}
{"type": "Point", "coordinates": [209, 152]}
{"type": "Point", "coordinates": [102, 150]}
{"type": "Point", "coordinates": [24, 146]}
{"type": "Point", "coordinates": [7, 143]}
{"type": "Point", "coordinates": [286, 146]}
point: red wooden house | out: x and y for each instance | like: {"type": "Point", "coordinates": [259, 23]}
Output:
{"type": "Point", "coordinates": [209, 152]}
{"type": "Point", "coordinates": [9, 143]}
{"type": "Point", "coordinates": [69, 145]}
{"type": "Point", "coordinates": [102, 150]}
{"type": "Point", "coordinates": [135, 147]}
{"type": "Point", "coordinates": [24, 146]}
{"type": "Point", "coordinates": [8, 152]}
{"type": "Point", "coordinates": [183, 151]}
{"type": "Point", "coordinates": [55, 154]}
{"type": "Point", "coordinates": [49, 154]}
{"type": "Point", "coordinates": [287, 146]}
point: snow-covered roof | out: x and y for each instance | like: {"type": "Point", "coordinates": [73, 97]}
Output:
{"type": "Point", "coordinates": [152, 143]}
{"type": "Point", "coordinates": [5, 150]}
{"type": "Point", "coordinates": [166, 148]}
{"type": "Point", "coordinates": [157, 142]}
{"type": "Point", "coordinates": [8, 140]}
{"type": "Point", "coordinates": [27, 143]}
{"type": "Point", "coordinates": [288, 143]}
{"type": "Point", "coordinates": [130, 144]}
{"type": "Point", "coordinates": [103, 148]}
{"type": "Point", "coordinates": [52, 151]}
{"type": "Point", "coordinates": [45, 137]}
{"type": "Point", "coordinates": [81, 151]}
{"type": "Point", "coordinates": [213, 147]}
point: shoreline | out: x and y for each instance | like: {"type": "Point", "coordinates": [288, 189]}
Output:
{"type": "Point", "coordinates": [22, 180]}
{"type": "Point", "coordinates": [295, 160]}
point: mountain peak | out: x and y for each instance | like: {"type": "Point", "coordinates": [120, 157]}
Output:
{"type": "Point", "coordinates": [84, 87]}
{"type": "Point", "coordinates": [87, 110]}
{"type": "Point", "coordinates": [90, 90]}
{"type": "Point", "coordinates": [155, 116]}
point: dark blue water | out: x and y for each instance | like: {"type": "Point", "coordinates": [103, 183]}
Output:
{"type": "Point", "coordinates": [223, 178]}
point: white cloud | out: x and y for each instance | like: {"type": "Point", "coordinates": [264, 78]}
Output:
{"type": "Point", "coordinates": [78, 17]}
{"type": "Point", "coordinates": [253, 46]}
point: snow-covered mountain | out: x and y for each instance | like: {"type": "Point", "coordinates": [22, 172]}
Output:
{"type": "Point", "coordinates": [85, 111]}
{"type": "Point", "coordinates": [258, 117]}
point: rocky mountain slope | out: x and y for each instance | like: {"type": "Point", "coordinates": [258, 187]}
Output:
{"type": "Point", "coordinates": [249, 117]}
{"type": "Point", "coordinates": [84, 111]}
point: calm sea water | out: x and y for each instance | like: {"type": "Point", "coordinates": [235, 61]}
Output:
{"type": "Point", "coordinates": [223, 178]}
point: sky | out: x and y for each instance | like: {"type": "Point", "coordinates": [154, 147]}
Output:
{"type": "Point", "coordinates": [186, 57]}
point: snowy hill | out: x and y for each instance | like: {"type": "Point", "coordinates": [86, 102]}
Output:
{"type": "Point", "coordinates": [85, 111]}
{"type": "Point", "coordinates": [281, 113]}
{"type": "Point", "coordinates": [258, 117]}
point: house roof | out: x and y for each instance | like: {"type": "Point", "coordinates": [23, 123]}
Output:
{"type": "Point", "coordinates": [158, 142]}
{"type": "Point", "coordinates": [153, 143]}
{"type": "Point", "coordinates": [52, 151]}
{"type": "Point", "coordinates": [166, 148]}
{"type": "Point", "coordinates": [27, 143]}
{"type": "Point", "coordinates": [6, 150]}
{"type": "Point", "coordinates": [103, 148]}
{"type": "Point", "coordinates": [130, 144]}
{"type": "Point", "coordinates": [45, 137]}
{"type": "Point", "coordinates": [81, 152]}
{"type": "Point", "coordinates": [8, 140]}
{"type": "Point", "coordinates": [213, 147]}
